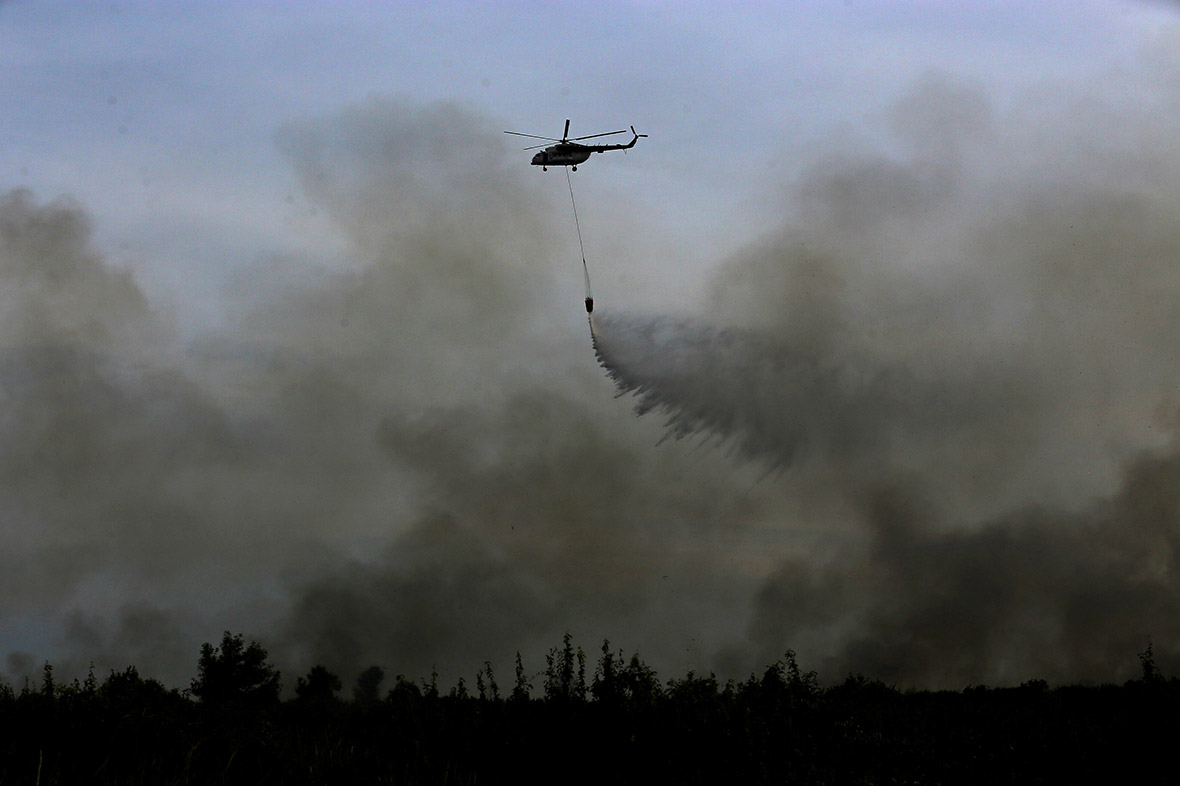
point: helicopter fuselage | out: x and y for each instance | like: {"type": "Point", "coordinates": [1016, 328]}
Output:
{"type": "Point", "coordinates": [572, 153]}
{"type": "Point", "coordinates": [562, 155]}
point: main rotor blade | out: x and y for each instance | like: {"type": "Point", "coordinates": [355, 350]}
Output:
{"type": "Point", "coordinates": [608, 133]}
{"type": "Point", "coordinates": [566, 134]}
{"type": "Point", "coordinates": [533, 136]}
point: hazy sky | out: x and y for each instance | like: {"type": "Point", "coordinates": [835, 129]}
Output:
{"type": "Point", "coordinates": [293, 342]}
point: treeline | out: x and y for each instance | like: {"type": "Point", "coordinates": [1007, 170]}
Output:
{"type": "Point", "coordinates": [611, 721]}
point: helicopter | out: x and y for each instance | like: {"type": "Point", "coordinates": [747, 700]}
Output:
{"type": "Point", "coordinates": [568, 152]}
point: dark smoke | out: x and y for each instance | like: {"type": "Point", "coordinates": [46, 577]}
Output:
{"type": "Point", "coordinates": [1064, 596]}
{"type": "Point", "coordinates": [411, 463]}
{"type": "Point", "coordinates": [977, 359]}
{"type": "Point", "coordinates": [957, 352]}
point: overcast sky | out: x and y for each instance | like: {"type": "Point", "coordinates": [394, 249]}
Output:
{"type": "Point", "coordinates": [161, 117]}
{"type": "Point", "coordinates": [293, 339]}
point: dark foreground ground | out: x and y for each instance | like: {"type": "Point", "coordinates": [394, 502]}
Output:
{"type": "Point", "coordinates": [622, 725]}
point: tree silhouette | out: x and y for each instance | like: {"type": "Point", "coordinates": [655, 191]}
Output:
{"type": "Point", "coordinates": [320, 685]}
{"type": "Point", "coordinates": [485, 681]}
{"type": "Point", "coordinates": [777, 726]}
{"type": "Point", "coordinates": [522, 688]}
{"type": "Point", "coordinates": [641, 683]}
{"type": "Point", "coordinates": [48, 686]}
{"type": "Point", "coordinates": [235, 673]}
{"type": "Point", "coordinates": [1151, 673]}
{"type": "Point", "coordinates": [368, 685]}
{"type": "Point", "coordinates": [565, 681]}
{"type": "Point", "coordinates": [608, 684]}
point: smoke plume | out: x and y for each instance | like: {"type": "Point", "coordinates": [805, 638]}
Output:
{"type": "Point", "coordinates": [976, 358]}
{"type": "Point", "coordinates": [942, 383]}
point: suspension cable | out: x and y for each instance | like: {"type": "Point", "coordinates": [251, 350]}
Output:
{"type": "Point", "coordinates": [581, 247]}
{"type": "Point", "coordinates": [575, 206]}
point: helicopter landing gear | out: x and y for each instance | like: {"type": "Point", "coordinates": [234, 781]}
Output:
{"type": "Point", "coordinates": [544, 169]}
{"type": "Point", "coordinates": [575, 169]}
